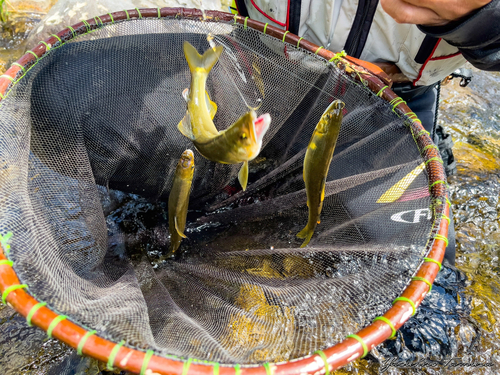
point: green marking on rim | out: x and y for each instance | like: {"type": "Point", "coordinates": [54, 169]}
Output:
{"type": "Point", "coordinates": [423, 132]}
{"type": "Point", "coordinates": [437, 158]}
{"type": "Point", "coordinates": [438, 182]}
{"type": "Point", "coordinates": [6, 262]}
{"type": "Point", "coordinates": [418, 278]}
{"type": "Point", "coordinates": [265, 27]}
{"type": "Point", "coordinates": [55, 36]}
{"type": "Point", "coordinates": [87, 25]}
{"type": "Point", "coordinates": [128, 16]}
{"type": "Point", "coordinates": [325, 360]}
{"type": "Point", "coordinates": [320, 47]}
{"type": "Point", "coordinates": [443, 238]}
{"type": "Point", "coordinates": [430, 146]}
{"type": "Point", "coordinates": [404, 299]}
{"type": "Point", "coordinates": [10, 289]}
{"type": "Point", "coordinates": [83, 340]}
{"type": "Point", "coordinates": [147, 357]}
{"type": "Point", "coordinates": [365, 348]}
{"type": "Point", "coordinates": [245, 23]}
{"type": "Point", "coordinates": [443, 216]}
{"type": "Point", "coordinates": [19, 65]}
{"type": "Point", "coordinates": [47, 46]}
{"type": "Point", "coordinates": [284, 36]}
{"type": "Point", "coordinates": [382, 90]}
{"type": "Point", "coordinates": [185, 368]}
{"type": "Point", "coordinates": [433, 261]}
{"type": "Point", "coordinates": [237, 370]}
{"type": "Point", "coordinates": [34, 54]}
{"type": "Point", "coordinates": [112, 355]}
{"type": "Point", "coordinates": [159, 12]}
{"type": "Point", "coordinates": [113, 20]}
{"type": "Point", "coordinates": [138, 11]}
{"type": "Point", "coordinates": [298, 43]}
{"type": "Point", "coordinates": [72, 31]}
{"type": "Point", "coordinates": [58, 319]}
{"type": "Point", "coordinates": [268, 368]}
{"type": "Point", "coordinates": [388, 322]}
{"type": "Point", "coordinates": [4, 241]}
{"type": "Point", "coordinates": [8, 77]}
{"type": "Point", "coordinates": [33, 310]}
{"type": "Point", "coordinates": [216, 368]}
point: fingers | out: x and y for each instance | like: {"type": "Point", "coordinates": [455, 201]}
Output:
{"type": "Point", "coordinates": [430, 12]}
{"type": "Point", "coordinates": [450, 9]}
{"type": "Point", "coordinates": [404, 12]}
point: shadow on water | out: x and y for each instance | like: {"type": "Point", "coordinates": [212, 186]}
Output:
{"type": "Point", "coordinates": [458, 320]}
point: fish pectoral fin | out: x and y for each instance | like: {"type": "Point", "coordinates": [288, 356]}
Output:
{"type": "Point", "coordinates": [179, 232]}
{"type": "Point", "coordinates": [184, 126]}
{"type": "Point", "coordinates": [185, 94]}
{"type": "Point", "coordinates": [212, 107]}
{"type": "Point", "coordinates": [243, 175]}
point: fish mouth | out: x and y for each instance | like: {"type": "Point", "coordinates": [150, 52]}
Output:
{"type": "Point", "coordinates": [261, 126]}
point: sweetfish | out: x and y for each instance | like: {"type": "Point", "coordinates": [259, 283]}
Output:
{"type": "Point", "coordinates": [178, 199]}
{"type": "Point", "coordinates": [239, 143]}
{"type": "Point", "coordinates": [317, 161]}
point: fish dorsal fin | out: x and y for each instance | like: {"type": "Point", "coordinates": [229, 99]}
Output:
{"type": "Point", "coordinates": [179, 232]}
{"type": "Point", "coordinates": [243, 175]}
{"type": "Point", "coordinates": [185, 127]}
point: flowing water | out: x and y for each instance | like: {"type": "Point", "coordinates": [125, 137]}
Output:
{"type": "Point", "coordinates": [459, 320]}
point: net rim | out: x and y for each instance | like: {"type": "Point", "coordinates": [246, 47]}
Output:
{"type": "Point", "coordinates": [351, 348]}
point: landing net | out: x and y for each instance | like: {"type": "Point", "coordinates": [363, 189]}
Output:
{"type": "Point", "coordinates": [94, 110]}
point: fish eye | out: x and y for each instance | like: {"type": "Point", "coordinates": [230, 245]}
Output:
{"type": "Point", "coordinates": [243, 136]}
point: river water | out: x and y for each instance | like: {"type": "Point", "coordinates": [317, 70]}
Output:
{"type": "Point", "coordinates": [459, 319]}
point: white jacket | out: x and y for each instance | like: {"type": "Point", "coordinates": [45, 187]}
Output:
{"type": "Point", "coordinates": [424, 60]}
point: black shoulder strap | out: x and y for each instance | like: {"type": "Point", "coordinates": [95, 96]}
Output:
{"type": "Point", "coordinates": [360, 28]}
{"type": "Point", "coordinates": [426, 48]}
{"type": "Point", "coordinates": [242, 8]}
{"type": "Point", "coordinates": [294, 16]}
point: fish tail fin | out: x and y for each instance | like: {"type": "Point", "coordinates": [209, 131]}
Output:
{"type": "Point", "coordinates": [197, 61]}
{"type": "Point", "coordinates": [243, 175]}
{"type": "Point", "coordinates": [179, 232]}
{"type": "Point", "coordinates": [306, 234]}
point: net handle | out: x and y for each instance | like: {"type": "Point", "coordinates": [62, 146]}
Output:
{"type": "Point", "coordinates": [139, 361]}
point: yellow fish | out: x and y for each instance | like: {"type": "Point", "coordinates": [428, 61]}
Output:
{"type": "Point", "coordinates": [317, 163]}
{"type": "Point", "coordinates": [241, 142]}
{"type": "Point", "coordinates": [178, 199]}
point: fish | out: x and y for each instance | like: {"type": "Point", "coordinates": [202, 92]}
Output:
{"type": "Point", "coordinates": [239, 143]}
{"type": "Point", "coordinates": [317, 163]}
{"type": "Point", "coordinates": [178, 199]}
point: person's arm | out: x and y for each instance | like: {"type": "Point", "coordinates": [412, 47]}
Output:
{"type": "Point", "coordinates": [473, 26]}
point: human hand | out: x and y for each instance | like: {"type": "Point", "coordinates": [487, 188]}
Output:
{"type": "Point", "coordinates": [430, 12]}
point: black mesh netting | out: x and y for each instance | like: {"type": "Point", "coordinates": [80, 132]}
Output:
{"type": "Point", "coordinates": [99, 115]}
